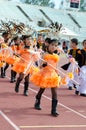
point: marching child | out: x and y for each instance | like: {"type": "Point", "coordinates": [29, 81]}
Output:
{"type": "Point", "coordinates": [76, 54]}
{"type": "Point", "coordinates": [47, 77]}
{"type": "Point", "coordinates": [81, 89]}
{"type": "Point", "coordinates": [21, 66]}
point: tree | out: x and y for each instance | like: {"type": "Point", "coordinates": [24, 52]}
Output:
{"type": "Point", "coordinates": [40, 2]}
{"type": "Point", "coordinates": [83, 5]}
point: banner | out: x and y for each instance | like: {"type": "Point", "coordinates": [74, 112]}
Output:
{"type": "Point", "coordinates": [74, 3]}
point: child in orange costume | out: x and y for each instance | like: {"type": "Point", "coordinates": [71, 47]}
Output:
{"type": "Point", "coordinates": [5, 52]}
{"type": "Point", "coordinates": [21, 66]}
{"type": "Point", "coordinates": [16, 47]}
{"type": "Point", "coordinates": [47, 77]}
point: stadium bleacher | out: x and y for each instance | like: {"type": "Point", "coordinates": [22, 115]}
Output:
{"type": "Point", "coordinates": [30, 13]}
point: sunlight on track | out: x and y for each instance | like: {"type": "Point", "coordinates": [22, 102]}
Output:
{"type": "Point", "coordinates": [55, 126]}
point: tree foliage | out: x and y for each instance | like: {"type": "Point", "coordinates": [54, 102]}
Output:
{"type": "Point", "coordinates": [83, 5]}
{"type": "Point", "coordinates": [40, 2]}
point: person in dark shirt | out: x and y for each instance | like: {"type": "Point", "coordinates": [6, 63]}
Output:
{"type": "Point", "coordinates": [83, 52]}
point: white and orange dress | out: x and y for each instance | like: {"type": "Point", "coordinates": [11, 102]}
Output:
{"type": "Point", "coordinates": [4, 54]}
{"type": "Point", "coordinates": [13, 58]}
{"type": "Point", "coordinates": [25, 64]}
{"type": "Point", "coordinates": [47, 77]}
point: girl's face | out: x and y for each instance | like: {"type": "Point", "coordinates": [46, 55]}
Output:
{"type": "Point", "coordinates": [17, 41]}
{"type": "Point", "coordinates": [28, 41]}
{"type": "Point", "coordinates": [84, 44]}
{"type": "Point", "coordinates": [40, 39]}
{"type": "Point", "coordinates": [73, 45]}
{"type": "Point", "coordinates": [52, 47]}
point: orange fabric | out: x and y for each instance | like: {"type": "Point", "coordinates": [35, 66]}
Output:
{"type": "Point", "coordinates": [4, 54]}
{"type": "Point", "coordinates": [2, 64]}
{"type": "Point", "coordinates": [12, 59]}
{"type": "Point", "coordinates": [25, 58]}
{"type": "Point", "coordinates": [16, 48]}
{"type": "Point", "coordinates": [47, 76]}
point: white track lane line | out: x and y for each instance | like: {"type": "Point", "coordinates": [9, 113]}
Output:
{"type": "Point", "coordinates": [9, 121]}
{"type": "Point", "coordinates": [54, 126]}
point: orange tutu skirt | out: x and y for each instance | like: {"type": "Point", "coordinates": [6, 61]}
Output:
{"type": "Point", "coordinates": [12, 59]}
{"type": "Point", "coordinates": [19, 67]}
{"type": "Point", "coordinates": [46, 78]}
{"type": "Point", "coordinates": [33, 70]}
{"type": "Point", "coordinates": [2, 58]}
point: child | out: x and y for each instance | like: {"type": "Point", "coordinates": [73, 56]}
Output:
{"type": "Point", "coordinates": [16, 47]}
{"type": "Point", "coordinates": [47, 77]}
{"type": "Point", "coordinates": [82, 88]}
{"type": "Point", "coordinates": [6, 36]}
{"type": "Point", "coordinates": [21, 66]}
{"type": "Point", "coordinates": [75, 52]}
{"type": "Point", "coordinates": [82, 77]}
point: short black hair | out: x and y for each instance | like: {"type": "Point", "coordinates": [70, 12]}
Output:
{"type": "Point", "coordinates": [5, 33]}
{"type": "Point", "coordinates": [54, 40]}
{"type": "Point", "coordinates": [75, 40]}
{"type": "Point", "coordinates": [24, 37]}
{"type": "Point", "coordinates": [48, 40]}
{"type": "Point", "coordinates": [15, 38]}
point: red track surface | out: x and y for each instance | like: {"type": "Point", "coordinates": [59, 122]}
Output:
{"type": "Point", "coordinates": [17, 111]}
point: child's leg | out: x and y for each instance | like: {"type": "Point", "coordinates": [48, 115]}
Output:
{"type": "Point", "coordinates": [77, 90]}
{"type": "Point", "coordinates": [54, 102]}
{"type": "Point", "coordinates": [2, 72]}
{"type": "Point", "coordinates": [5, 68]}
{"type": "Point", "coordinates": [70, 85]}
{"type": "Point", "coordinates": [13, 76]}
{"type": "Point", "coordinates": [26, 85]}
{"type": "Point", "coordinates": [19, 79]}
{"type": "Point", "coordinates": [38, 98]}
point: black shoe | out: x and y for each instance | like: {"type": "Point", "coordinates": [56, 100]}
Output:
{"type": "Point", "coordinates": [26, 93]}
{"type": "Point", "coordinates": [37, 106]}
{"type": "Point", "coordinates": [74, 86]}
{"type": "Point", "coordinates": [55, 114]}
{"type": "Point", "coordinates": [12, 81]}
{"type": "Point", "coordinates": [77, 92]}
{"type": "Point", "coordinates": [82, 94]}
{"type": "Point", "coordinates": [16, 89]}
{"type": "Point", "coordinates": [2, 75]}
{"type": "Point", "coordinates": [70, 88]}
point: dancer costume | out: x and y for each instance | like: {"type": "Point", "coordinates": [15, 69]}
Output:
{"type": "Point", "coordinates": [4, 53]}
{"type": "Point", "coordinates": [23, 65]}
{"type": "Point", "coordinates": [82, 78]}
{"type": "Point", "coordinates": [73, 67]}
{"type": "Point", "coordinates": [47, 77]}
{"type": "Point", "coordinates": [13, 58]}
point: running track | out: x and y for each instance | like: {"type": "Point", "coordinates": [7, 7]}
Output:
{"type": "Point", "coordinates": [17, 111]}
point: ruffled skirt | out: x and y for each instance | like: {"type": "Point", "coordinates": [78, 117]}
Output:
{"type": "Point", "coordinates": [46, 78]}
{"type": "Point", "coordinates": [23, 67]}
{"type": "Point", "coordinates": [12, 59]}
